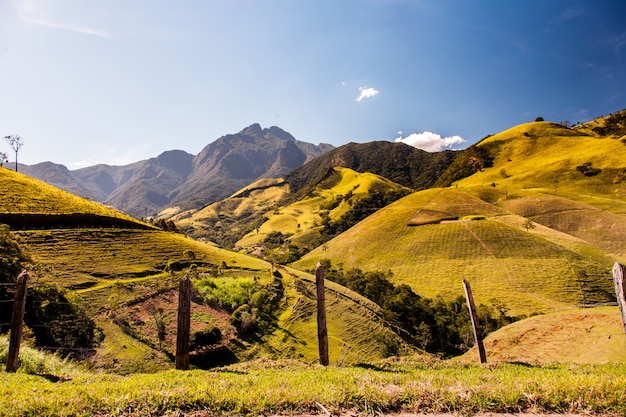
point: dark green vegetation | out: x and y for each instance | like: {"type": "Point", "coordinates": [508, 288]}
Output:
{"type": "Point", "coordinates": [436, 326]}
{"type": "Point", "coordinates": [54, 316]}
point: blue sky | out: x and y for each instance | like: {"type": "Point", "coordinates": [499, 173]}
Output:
{"type": "Point", "coordinates": [116, 81]}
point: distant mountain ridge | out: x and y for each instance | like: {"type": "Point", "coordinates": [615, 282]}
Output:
{"type": "Point", "coordinates": [178, 178]}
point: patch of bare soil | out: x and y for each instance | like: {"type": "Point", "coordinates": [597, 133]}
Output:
{"type": "Point", "coordinates": [144, 316]}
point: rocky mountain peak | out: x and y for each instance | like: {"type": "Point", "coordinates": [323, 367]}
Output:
{"type": "Point", "coordinates": [253, 130]}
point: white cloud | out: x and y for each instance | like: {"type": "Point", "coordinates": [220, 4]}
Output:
{"type": "Point", "coordinates": [429, 141]}
{"type": "Point", "coordinates": [33, 12]}
{"type": "Point", "coordinates": [366, 92]}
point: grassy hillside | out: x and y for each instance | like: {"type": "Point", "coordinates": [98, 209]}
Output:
{"type": "Point", "coordinates": [119, 275]}
{"type": "Point", "coordinates": [523, 269]}
{"type": "Point", "coordinates": [229, 219]}
{"type": "Point", "coordinates": [334, 196]}
{"type": "Point", "coordinates": [593, 335]}
{"type": "Point", "coordinates": [23, 194]}
{"type": "Point", "coordinates": [537, 227]}
{"type": "Point", "coordinates": [126, 279]}
{"type": "Point", "coordinates": [267, 207]}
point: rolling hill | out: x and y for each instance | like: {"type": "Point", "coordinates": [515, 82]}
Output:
{"type": "Point", "coordinates": [265, 208]}
{"type": "Point", "coordinates": [533, 217]}
{"type": "Point", "coordinates": [593, 335]}
{"type": "Point", "coordinates": [125, 277]}
{"type": "Point", "coordinates": [537, 223]}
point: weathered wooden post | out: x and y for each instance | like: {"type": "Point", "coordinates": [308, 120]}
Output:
{"type": "Point", "coordinates": [17, 323]}
{"type": "Point", "coordinates": [475, 324]}
{"type": "Point", "coordinates": [322, 331]}
{"type": "Point", "coordinates": [619, 274]}
{"type": "Point", "coordinates": [184, 322]}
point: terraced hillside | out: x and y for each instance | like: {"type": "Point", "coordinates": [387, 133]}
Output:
{"type": "Point", "coordinates": [24, 197]}
{"type": "Point", "coordinates": [126, 279]}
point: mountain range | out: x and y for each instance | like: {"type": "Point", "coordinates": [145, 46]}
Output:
{"type": "Point", "coordinates": [177, 178]}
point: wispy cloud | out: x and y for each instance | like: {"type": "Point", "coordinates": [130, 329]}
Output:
{"type": "Point", "coordinates": [617, 42]}
{"type": "Point", "coordinates": [34, 12]}
{"type": "Point", "coordinates": [570, 13]}
{"type": "Point", "coordinates": [366, 92]}
{"type": "Point", "coordinates": [429, 141]}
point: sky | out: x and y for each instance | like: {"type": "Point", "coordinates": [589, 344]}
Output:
{"type": "Point", "coordinates": [117, 81]}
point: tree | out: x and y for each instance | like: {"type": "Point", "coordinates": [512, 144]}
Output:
{"type": "Point", "coordinates": [4, 157]}
{"type": "Point", "coordinates": [528, 225]}
{"type": "Point", "coordinates": [15, 142]}
{"type": "Point", "coordinates": [12, 257]}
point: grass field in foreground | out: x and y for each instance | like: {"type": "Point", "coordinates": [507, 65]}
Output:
{"type": "Point", "coordinates": [419, 385]}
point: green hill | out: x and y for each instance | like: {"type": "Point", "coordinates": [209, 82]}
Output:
{"type": "Point", "coordinates": [126, 279]}
{"type": "Point", "coordinates": [267, 210]}
{"type": "Point", "coordinates": [537, 226]}
{"type": "Point", "coordinates": [26, 195]}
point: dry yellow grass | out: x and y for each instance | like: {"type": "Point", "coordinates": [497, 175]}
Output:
{"type": "Point", "coordinates": [24, 194]}
{"type": "Point", "coordinates": [593, 335]}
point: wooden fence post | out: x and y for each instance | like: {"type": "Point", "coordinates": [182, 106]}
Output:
{"type": "Point", "coordinates": [184, 322]}
{"type": "Point", "coordinates": [474, 318]}
{"type": "Point", "coordinates": [619, 274]}
{"type": "Point", "coordinates": [17, 323]}
{"type": "Point", "coordinates": [322, 332]}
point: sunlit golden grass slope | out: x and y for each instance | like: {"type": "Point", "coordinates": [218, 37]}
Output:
{"type": "Point", "coordinates": [253, 198]}
{"type": "Point", "coordinates": [544, 156]}
{"type": "Point", "coordinates": [24, 194]}
{"type": "Point", "coordinates": [561, 259]}
{"type": "Point", "coordinates": [593, 335]}
{"type": "Point", "coordinates": [276, 210]}
{"type": "Point", "coordinates": [530, 271]}
{"type": "Point", "coordinates": [335, 195]}
{"type": "Point", "coordinates": [110, 269]}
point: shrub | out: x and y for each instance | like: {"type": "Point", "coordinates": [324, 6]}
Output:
{"type": "Point", "coordinates": [59, 321]}
{"type": "Point", "coordinates": [206, 337]}
{"type": "Point", "coordinates": [173, 265]}
{"type": "Point", "coordinates": [244, 319]}
{"type": "Point", "coordinates": [12, 257]}
{"type": "Point", "coordinates": [588, 170]}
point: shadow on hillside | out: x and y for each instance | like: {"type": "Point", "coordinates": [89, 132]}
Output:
{"type": "Point", "coordinates": [213, 358]}
{"type": "Point", "coordinates": [377, 368]}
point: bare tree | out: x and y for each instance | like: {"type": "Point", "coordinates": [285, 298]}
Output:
{"type": "Point", "coordinates": [4, 157]}
{"type": "Point", "coordinates": [15, 142]}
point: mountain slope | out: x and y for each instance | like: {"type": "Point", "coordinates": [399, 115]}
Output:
{"type": "Point", "coordinates": [268, 210]}
{"type": "Point", "coordinates": [177, 178]}
{"type": "Point", "coordinates": [530, 227]}
{"type": "Point", "coordinates": [398, 162]}
{"type": "Point", "coordinates": [591, 335]}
